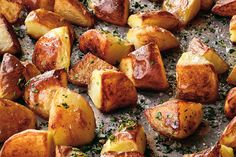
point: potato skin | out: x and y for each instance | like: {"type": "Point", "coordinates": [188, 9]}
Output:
{"type": "Point", "coordinates": [230, 104]}
{"type": "Point", "coordinates": [68, 151]}
{"type": "Point", "coordinates": [30, 70]}
{"type": "Point", "coordinates": [122, 154]}
{"type": "Point", "coordinates": [36, 4]}
{"type": "Point", "coordinates": [206, 4]}
{"type": "Point", "coordinates": [225, 7]}
{"type": "Point", "coordinates": [14, 118]}
{"type": "Point", "coordinates": [232, 77]}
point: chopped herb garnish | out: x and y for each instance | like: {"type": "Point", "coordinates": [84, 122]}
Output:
{"type": "Point", "coordinates": [35, 90]}
{"type": "Point", "coordinates": [65, 105]}
{"type": "Point", "coordinates": [159, 116]}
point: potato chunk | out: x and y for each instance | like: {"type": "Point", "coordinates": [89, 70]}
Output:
{"type": "Point", "coordinates": [72, 120]}
{"type": "Point", "coordinates": [107, 88]}
{"type": "Point", "coordinates": [36, 4]}
{"type": "Point", "coordinates": [145, 68]}
{"type": "Point", "coordinates": [160, 18]}
{"type": "Point", "coordinates": [197, 79]}
{"type": "Point", "coordinates": [67, 151]}
{"type": "Point", "coordinates": [142, 36]}
{"type": "Point", "coordinates": [111, 11]}
{"type": "Point", "coordinates": [232, 29]}
{"type": "Point", "coordinates": [206, 4]}
{"type": "Point", "coordinates": [198, 47]}
{"type": "Point", "coordinates": [29, 143]}
{"type": "Point", "coordinates": [40, 90]}
{"type": "Point", "coordinates": [122, 154]}
{"type": "Point", "coordinates": [232, 77]}
{"type": "Point", "coordinates": [174, 118]}
{"type": "Point", "coordinates": [185, 10]}
{"type": "Point", "coordinates": [52, 51]}
{"type": "Point", "coordinates": [104, 45]}
{"type": "Point", "coordinates": [81, 72]}
{"type": "Point", "coordinates": [8, 39]}
{"type": "Point", "coordinates": [225, 7]}
{"type": "Point", "coordinates": [74, 11]}
{"type": "Point", "coordinates": [230, 104]}
{"type": "Point", "coordinates": [14, 118]}
{"type": "Point", "coordinates": [30, 70]}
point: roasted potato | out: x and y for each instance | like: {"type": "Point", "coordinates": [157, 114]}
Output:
{"type": "Point", "coordinates": [67, 151]}
{"type": "Point", "coordinates": [122, 154]}
{"type": "Point", "coordinates": [225, 7]}
{"type": "Point", "coordinates": [30, 70]}
{"type": "Point", "coordinates": [74, 11]}
{"type": "Point", "coordinates": [105, 45]}
{"type": "Point", "coordinates": [145, 68]}
{"type": "Point", "coordinates": [232, 29]}
{"type": "Point", "coordinates": [71, 120]}
{"type": "Point", "coordinates": [107, 87]}
{"type": "Point", "coordinates": [129, 137]}
{"type": "Point", "coordinates": [198, 47]}
{"type": "Point", "coordinates": [206, 4]}
{"type": "Point", "coordinates": [29, 143]}
{"type": "Point", "coordinates": [115, 11]}
{"type": "Point", "coordinates": [230, 104]}
{"type": "Point", "coordinates": [174, 118]}
{"type": "Point", "coordinates": [36, 4]}
{"type": "Point", "coordinates": [40, 90]}
{"type": "Point", "coordinates": [232, 77]}
{"type": "Point", "coordinates": [40, 21]}
{"type": "Point", "coordinates": [196, 78]}
{"type": "Point", "coordinates": [14, 118]}
{"type": "Point", "coordinates": [53, 50]}
{"type": "Point", "coordinates": [81, 72]}
{"type": "Point", "coordinates": [159, 18]}
{"type": "Point", "coordinates": [142, 36]}
{"type": "Point", "coordinates": [185, 10]}
{"type": "Point", "coordinates": [8, 40]}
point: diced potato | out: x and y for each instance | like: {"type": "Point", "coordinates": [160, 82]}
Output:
{"type": "Point", "coordinates": [225, 7]}
{"type": "Point", "coordinates": [8, 39]}
{"type": "Point", "coordinates": [74, 11]}
{"type": "Point", "coordinates": [30, 70]}
{"type": "Point", "coordinates": [232, 77]}
{"type": "Point", "coordinates": [129, 137]}
{"type": "Point", "coordinates": [122, 154]}
{"type": "Point", "coordinates": [174, 118]}
{"type": "Point", "coordinates": [145, 68]}
{"type": "Point", "coordinates": [142, 36]}
{"type": "Point", "coordinates": [206, 4]}
{"type": "Point", "coordinates": [107, 88]}
{"type": "Point", "coordinates": [198, 47]}
{"type": "Point", "coordinates": [81, 72]}
{"type": "Point", "coordinates": [111, 11]}
{"type": "Point", "coordinates": [40, 90]}
{"type": "Point", "coordinates": [232, 29]}
{"type": "Point", "coordinates": [159, 18]}
{"type": "Point", "coordinates": [67, 151]}
{"type": "Point", "coordinates": [105, 45]}
{"type": "Point", "coordinates": [14, 118]}
{"type": "Point", "coordinates": [72, 120]}
{"type": "Point", "coordinates": [230, 104]}
{"type": "Point", "coordinates": [36, 4]}
{"type": "Point", "coordinates": [53, 50]}
{"type": "Point", "coordinates": [196, 78]}
{"type": "Point", "coordinates": [185, 10]}
{"type": "Point", "coordinates": [29, 143]}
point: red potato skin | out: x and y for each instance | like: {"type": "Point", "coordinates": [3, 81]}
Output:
{"type": "Point", "coordinates": [36, 4]}
{"type": "Point", "coordinates": [225, 8]}
{"type": "Point", "coordinates": [230, 104]}
{"type": "Point", "coordinates": [122, 154]}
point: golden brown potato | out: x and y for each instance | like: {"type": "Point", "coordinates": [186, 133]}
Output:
{"type": "Point", "coordinates": [159, 18]}
{"type": "Point", "coordinates": [129, 137]}
{"type": "Point", "coordinates": [185, 10]}
{"type": "Point", "coordinates": [40, 21]}
{"type": "Point", "coordinates": [122, 154]}
{"type": "Point", "coordinates": [67, 151]}
{"type": "Point", "coordinates": [115, 11]}
{"type": "Point", "coordinates": [29, 143]}
{"type": "Point", "coordinates": [145, 68]}
{"type": "Point", "coordinates": [225, 7]}
{"type": "Point", "coordinates": [206, 4]}
{"type": "Point", "coordinates": [198, 47]}
{"type": "Point", "coordinates": [40, 90]}
{"type": "Point", "coordinates": [53, 50]}
{"type": "Point", "coordinates": [74, 11]}
{"type": "Point", "coordinates": [142, 36]}
{"type": "Point", "coordinates": [71, 120]}
{"type": "Point", "coordinates": [232, 29]}
{"type": "Point", "coordinates": [107, 87]}
{"type": "Point", "coordinates": [30, 70]}
{"type": "Point", "coordinates": [8, 39]}
{"type": "Point", "coordinates": [105, 45]}
{"type": "Point", "coordinates": [196, 78]}
{"type": "Point", "coordinates": [14, 118]}
{"type": "Point", "coordinates": [232, 77]}
{"type": "Point", "coordinates": [81, 72]}
{"type": "Point", "coordinates": [230, 104]}
{"type": "Point", "coordinates": [36, 4]}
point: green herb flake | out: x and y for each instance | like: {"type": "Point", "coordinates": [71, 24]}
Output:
{"type": "Point", "coordinates": [35, 90]}
{"type": "Point", "coordinates": [159, 115]}
{"type": "Point", "coordinates": [65, 105]}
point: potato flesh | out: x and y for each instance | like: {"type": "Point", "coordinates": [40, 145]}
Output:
{"type": "Point", "coordinates": [122, 154]}
{"type": "Point", "coordinates": [226, 151]}
{"type": "Point", "coordinates": [232, 77]}
{"type": "Point", "coordinates": [232, 29]}
{"type": "Point", "coordinates": [10, 10]}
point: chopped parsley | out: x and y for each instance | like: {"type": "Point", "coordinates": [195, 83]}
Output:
{"type": "Point", "coordinates": [159, 115]}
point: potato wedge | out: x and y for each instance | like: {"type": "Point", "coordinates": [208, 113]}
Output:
{"type": "Point", "coordinates": [29, 143]}
{"type": "Point", "coordinates": [67, 151]}
{"type": "Point", "coordinates": [107, 88]}
{"type": "Point", "coordinates": [81, 72]}
{"type": "Point", "coordinates": [197, 46]}
{"type": "Point", "coordinates": [36, 4]}
{"type": "Point", "coordinates": [14, 118]}
{"type": "Point", "coordinates": [115, 11]}
{"type": "Point", "coordinates": [206, 4]}
{"type": "Point", "coordinates": [145, 68]}
{"type": "Point", "coordinates": [30, 70]}
{"type": "Point", "coordinates": [40, 90]}
{"type": "Point", "coordinates": [196, 78]}
{"type": "Point", "coordinates": [122, 154]}
{"type": "Point", "coordinates": [72, 120]}
{"type": "Point", "coordinates": [74, 11]}
{"type": "Point", "coordinates": [53, 50]}
{"type": "Point", "coordinates": [232, 76]}
{"type": "Point", "coordinates": [185, 10]}
{"type": "Point", "coordinates": [232, 29]}
{"type": "Point", "coordinates": [40, 21]}
{"type": "Point", "coordinates": [174, 118]}
{"type": "Point", "coordinates": [8, 40]}
{"type": "Point", "coordinates": [230, 104]}
{"type": "Point", "coordinates": [225, 7]}
{"type": "Point", "coordinates": [129, 137]}
{"type": "Point", "coordinates": [142, 36]}
{"type": "Point", "coordinates": [160, 18]}
{"type": "Point", "coordinates": [105, 45]}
